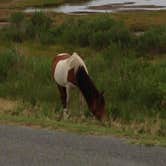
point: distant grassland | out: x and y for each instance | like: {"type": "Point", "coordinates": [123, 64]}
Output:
{"type": "Point", "coordinates": [141, 21]}
{"type": "Point", "coordinates": [134, 20]}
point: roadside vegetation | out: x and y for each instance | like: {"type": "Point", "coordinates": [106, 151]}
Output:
{"type": "Point", "coordinates": [130, 69]}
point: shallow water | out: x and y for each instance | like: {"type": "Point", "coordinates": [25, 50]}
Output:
{"type": "Point", "coordinates": [118, 5]}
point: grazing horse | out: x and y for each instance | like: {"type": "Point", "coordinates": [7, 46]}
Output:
{"type": "Point", "coordinates": [70, 71]}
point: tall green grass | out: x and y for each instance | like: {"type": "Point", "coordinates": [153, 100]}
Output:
{"type": "Point", "coordinates": [28, 78]}
{"type": "Point", "coordinates": [133, 88]}
{"type": "Point", "coordinates": [153, 40]}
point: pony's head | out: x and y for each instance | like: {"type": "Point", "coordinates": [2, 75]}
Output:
{"type": "Point", "coordinates": [98, 107]}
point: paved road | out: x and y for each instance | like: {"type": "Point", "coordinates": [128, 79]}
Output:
{"type": "Point", "coordinates": [22, 146]}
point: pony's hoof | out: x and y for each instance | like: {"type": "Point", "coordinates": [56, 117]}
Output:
{"type": "Point", "coordinates": [82, 117]}
{"type": "Point", "coordinates": [65, 115]}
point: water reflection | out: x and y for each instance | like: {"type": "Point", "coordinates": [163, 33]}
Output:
{"type": "Point", "coordinates": [106, 6]}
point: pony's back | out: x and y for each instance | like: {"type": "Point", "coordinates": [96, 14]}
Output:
{"type": "Point", "coordinates": [76, 61]}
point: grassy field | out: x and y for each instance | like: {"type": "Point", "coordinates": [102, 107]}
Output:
{"type": "Point", "coordinates": [131, 69]}
{"type": "Point", "coordinates": [141, 21]}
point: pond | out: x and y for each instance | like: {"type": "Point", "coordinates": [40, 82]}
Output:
{"type": "Point", "coordinates": [98, 6]}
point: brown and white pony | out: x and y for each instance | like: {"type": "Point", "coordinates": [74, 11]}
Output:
{"type": "Point", "coordinates": [70, 71]}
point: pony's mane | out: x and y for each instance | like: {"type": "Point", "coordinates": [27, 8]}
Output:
{"type": "Point", "coordinates": [76, 61]}
{"type": "Point", "coordinates": [86, 85]}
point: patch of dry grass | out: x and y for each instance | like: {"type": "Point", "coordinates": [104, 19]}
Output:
{"type": "Point", "coordinates": [141, 21]}
{"type": "Point", "coordinates": [151, 126]}
{"type": "Point", "coordinates": [7, 105]}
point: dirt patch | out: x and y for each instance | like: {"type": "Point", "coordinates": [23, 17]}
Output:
{"type": "Point", "coordinates": [6, 105]}
{"type": "Point", "coordinates": [8, 3]}
{"type": "Point", "coordinates": [3, 24]}
{"type": "Point", "coordinates": [6, 8]}
{"type": "Point", "coordinates": [4, 14]}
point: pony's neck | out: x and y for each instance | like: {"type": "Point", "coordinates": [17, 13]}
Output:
{"type": "Point", "coordinates": [86, 86]}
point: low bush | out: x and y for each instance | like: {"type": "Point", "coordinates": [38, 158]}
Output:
{"type": "Point", "coordinates": [37, 27]}
{"type": "Point", "coordinates": [7, 62]}
{"type": "Point", "coordinates": [153, 41]}
{"type": "Point", "coordinates": [97, 33]}
{"type": "Point", "coordinates": [16, 30]}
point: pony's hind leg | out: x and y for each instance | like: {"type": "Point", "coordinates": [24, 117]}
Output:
{"type": "Point", "coordinates": [64, 100]}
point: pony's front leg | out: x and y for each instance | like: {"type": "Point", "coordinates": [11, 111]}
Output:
{"type": "Point", "coordinates": [82, 104]}
{"type": "Point", "coordinates": [64, 99]}
{"type": "Point", "coordinates": [65, 110]}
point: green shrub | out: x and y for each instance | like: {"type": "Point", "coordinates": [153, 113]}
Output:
{"type": "Point", "coordinates": [47, 37]}
{"type": "Point", "coordinates": [153, 41]}
{"type": "Point", "coordinates": [16, 29]}
{"type": "Point", "coordinates": [7, 62]}
{"type": "Point", "coordinates": [38, 26]}
{"type": "Point", "coordinates": [97, 33]}
{"type": "Point", "coordinates": [99, 40]}
{"type": "Point", "coordinates": [17, 19]}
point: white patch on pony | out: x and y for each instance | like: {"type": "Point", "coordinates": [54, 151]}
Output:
{"type": "Point", "coordinates": [77, 61]}
{"type": "Point", "coordinates": [63, 66]}
{"type": "Point", "coordinates": [65, 115]}
{"type": "Point", "coordinates": [61, 72]}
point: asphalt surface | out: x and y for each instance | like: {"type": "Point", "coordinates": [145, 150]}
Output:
{"type": "Point", "coordinates": [23, 146]}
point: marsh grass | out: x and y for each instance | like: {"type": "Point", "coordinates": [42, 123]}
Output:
{"type": "Point", "coordinates": [133, 88]}
{"type": "Point", "coordinates": [117, 62]}
{"type": "Point", "coordinates": [141, 21]}
{"type": "Point", "coordinates": [153, 40]}
{"type": "Point", "coordinates": [97, 33]}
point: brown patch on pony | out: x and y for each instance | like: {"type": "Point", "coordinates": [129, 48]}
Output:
{"type": "Point", "coordinates": [57, 59]}
{"type": "Point", "coordinates": [71, 76]}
